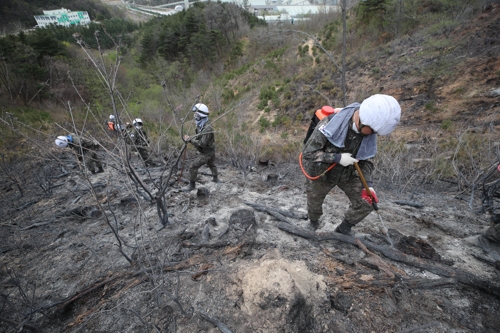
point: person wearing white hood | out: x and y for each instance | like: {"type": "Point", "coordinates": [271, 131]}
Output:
{"type": "Point", "coordinates": [204, 142]}
{"type": "Point", "coordinates": [85, 150]}
{"type": "Point", "coordinates": [337, 142]}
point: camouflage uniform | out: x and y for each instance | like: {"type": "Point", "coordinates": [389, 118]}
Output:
{"type": "Point", "coordinates": [346, 178]}
{"type": "Point", "coordinates": [204, 142]}
{"type": "Point", "coordinates": [85, 152]}
{"type": "Point", "coordinates": [138, 138]}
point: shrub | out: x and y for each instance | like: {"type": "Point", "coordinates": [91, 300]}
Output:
{"type": "Point", "coordinates": [304, 50]}
{"type": "Point", "coordinates": [327, 84]}
{"type": "Point", "coordinates": [270, 65]}
{"type": "Point", "coordinates": [431, 106]}
{"type": "Point", "coordinates": [443, 27]}
{"type": "Point", "coordinates": [446, 124]}
{"type": "Point", "coordinates": [262, 105]}
{"type": "Point", "coordinates": [268, 93]}
{"type": "Point", "coordinates": [277, 53]}
{"type": "Point", "coordinates": [228, 95]}
{"type": "Point", "coordinates": [264, 124]}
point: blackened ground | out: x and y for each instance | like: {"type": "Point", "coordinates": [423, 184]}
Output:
{"type": "Point", "coordinates": [62, 271]}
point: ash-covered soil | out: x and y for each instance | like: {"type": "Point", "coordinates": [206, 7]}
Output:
{"type": "Point", "coordinates": [220, 261]}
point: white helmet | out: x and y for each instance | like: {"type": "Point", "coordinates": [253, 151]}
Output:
{"type": "Point", "coordinates": [111, 117]}
{"type": "Point", "coordinates": [201, 110]}
{"type": "Point", "coordinates": [381, 112]}
{"type": "Point", "coordinates": [62, 141]}
{"type": "Point", "coordinates": [137, 122]}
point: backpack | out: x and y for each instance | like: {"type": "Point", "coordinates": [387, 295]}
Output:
{"type": "Point", "coordinates": [325, 111]}
{"type": "Point", "coordinates": [111, 126]}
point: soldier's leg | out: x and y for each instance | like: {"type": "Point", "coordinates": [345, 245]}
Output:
{"type": "Point", "coordinates": [90, 162]}
{"type": "Point", "coordinates": [359, 208]}
{"type": "Point", "coordinates": [200, 160]}
{"type": "Point", "coordinates": [144, 153]}
{"type": "Point", "coordinates": [316, 192]}
{"type": "Point", "coordinates": [97, 162]}
{"type": "Point", "coordinates": [213, 168]}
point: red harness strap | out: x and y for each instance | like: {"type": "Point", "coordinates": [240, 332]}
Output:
{"type": "Point", "coordinates": [315, 177]}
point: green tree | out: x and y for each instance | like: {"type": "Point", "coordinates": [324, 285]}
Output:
{"type": "Point", "coordinates": [44, 43]}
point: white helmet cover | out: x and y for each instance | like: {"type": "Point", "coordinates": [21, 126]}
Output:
{"type": "Point", "coordinates": [111, 117]}
{"type": "Point", "coordinates": [381, 112]}
{"type": "Point", "coordinates": [62, 141]}
{"type": "Point", "coordinates": [137, 121]}
{"type": "Point", "coordinates": [201, 110]}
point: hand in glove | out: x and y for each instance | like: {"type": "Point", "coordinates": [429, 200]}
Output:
{"type": "Point", "coordinates": [368, 198]}
{"type": "Point", "coordinates": [318, 156]}
{"type": "Point", "coordinates": [345, 159]}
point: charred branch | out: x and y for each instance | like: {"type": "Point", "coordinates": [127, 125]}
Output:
{"type": "Point", "coordinates": [409, 203]}
{"type": "Point", "coordinates": [393, 254]}
{"type": "Point", "coordinates": [19, 326]}
{"type": "Point", "coordinates": [222, 327]}
{"type": "Point", "coordinates": [280, 213]}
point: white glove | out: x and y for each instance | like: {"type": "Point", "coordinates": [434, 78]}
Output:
{"type": "Point", "coordinates": [346, 159]}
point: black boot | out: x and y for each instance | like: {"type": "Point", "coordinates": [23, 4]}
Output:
{"type": "Point", "coordinates": [215, 179]}
{"type": "Point", "coordinates": [313, 225]}
{"type": "Point", "coordinates": [100, 170]}
{"type": "Point", "coordinates": [190, 187]}
{"type": "Point", "coordinates": [345, 228]}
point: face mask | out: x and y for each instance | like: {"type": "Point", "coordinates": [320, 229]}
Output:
{"type": "Point", "coordinates": [354, 128]}
{"type": "Point", "coordinates": [197, 116]}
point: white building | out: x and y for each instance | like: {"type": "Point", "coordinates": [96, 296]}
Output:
{"type": "Point", "coordinates": [62, 17]}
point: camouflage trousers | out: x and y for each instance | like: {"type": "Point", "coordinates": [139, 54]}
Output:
{"type": "Point", "coordinates": [144, 153]}
{"type": "Point", "coordinates": [91, 160]}
{"type": "Point", "coordinates": [318, 189]}
{"type": "Point", "coordinates": [202, 159]}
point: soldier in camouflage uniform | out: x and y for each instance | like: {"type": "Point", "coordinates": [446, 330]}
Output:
{"type": "Point", "coordinates": [335, 140]}
{"type": "Point", "coordinates": [84, 149]}
{"type": "Point", "coordinates": [137, 137]}
{"type": "Point", "coordinates": [204, 142]}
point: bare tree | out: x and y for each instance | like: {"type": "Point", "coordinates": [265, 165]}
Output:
{"type": "Point", "coordinates": [344, 48]}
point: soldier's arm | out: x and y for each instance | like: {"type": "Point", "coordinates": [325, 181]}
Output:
{"type": "Point", "coordinates": [206, 138]}
{"type": "Point", "coordinates": [314, 149]}
{"type": "Point", "coordinates": [203, 139]}
{"type": "Point", "coordinates": [195, 141]}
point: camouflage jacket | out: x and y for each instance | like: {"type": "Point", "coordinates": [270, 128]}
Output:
{"type": "Point", "coordinates": [318, 146]}
{"type": "Point", "coordinates": [136, 136]}
{"type": "Point", "coordinates": [204, 141]}
{"type": "Point", "coordinates": [79, 142]}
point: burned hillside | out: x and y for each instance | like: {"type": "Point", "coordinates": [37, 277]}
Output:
{"type": "Point", "coordinates": [236, 254]}
{"type": "Point", "coordinates": [126, 250]}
